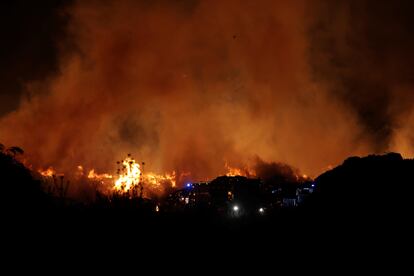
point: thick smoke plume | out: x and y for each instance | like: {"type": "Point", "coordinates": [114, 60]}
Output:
{"type": "Point", "coordinates": [362, 52]}
{"type": "Point", "coordinates": [277, 173]}
{"type": "Point", "coordinates": [190, 85]}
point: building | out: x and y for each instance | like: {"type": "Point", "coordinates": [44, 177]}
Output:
{"type": "Point", "coordinates": [239, 195]}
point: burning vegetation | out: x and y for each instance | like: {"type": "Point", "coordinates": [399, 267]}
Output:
{"type": "Point", "coordinates": [234, 171]}
{"type": "Point", "coordinates": [243, 190]}
{"type": "Point", "coordinates": [129, 180]}
{"type": "Point", "coordinates": [268, 189]}
{"type": "Point", "coordinates": [129, 176]}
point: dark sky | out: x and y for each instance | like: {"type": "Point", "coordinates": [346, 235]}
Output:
{"type": "Point", "coordinates": [30, 32]}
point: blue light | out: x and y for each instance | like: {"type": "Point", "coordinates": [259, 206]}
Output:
{"type": "Point", "coordinates": [313, 185]}
{"type": "Point", "coordinates": [188, 185]}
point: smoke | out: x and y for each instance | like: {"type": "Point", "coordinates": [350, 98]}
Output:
{"type": "Point", "coordinates": [362, 51]}
{"type": "Point", "coordinates": [190, 85]}
{"type": "Point", "coordinates": [275, 172]}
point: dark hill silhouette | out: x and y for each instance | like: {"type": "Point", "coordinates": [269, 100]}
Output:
{"type": "Point", "coordinates": [372, 187]}
{"type": "Point", "coordinates": [18, 189]}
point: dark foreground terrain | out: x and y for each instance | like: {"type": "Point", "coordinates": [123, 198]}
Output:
{"type": "Point", "coordinates": [363, 201]}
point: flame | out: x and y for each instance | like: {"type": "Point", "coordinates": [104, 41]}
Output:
{"type": "Point", "coordinates": [129, 175]}
{"type": "Point", "coordinates": [93, 175]}
{"type": "Point", "coordinates": [132, 181]}
{"type": "Point", "coordinates": [233, 171]}
{"type": "Point", "coordinates": [157, 180]}
{"type": "Point", "coordinates": [48, 172]}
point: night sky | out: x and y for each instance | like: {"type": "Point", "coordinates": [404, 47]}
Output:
{"type": "Point", "coordinates": [29, 50]}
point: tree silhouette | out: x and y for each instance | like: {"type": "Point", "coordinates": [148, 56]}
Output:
{"type": "Point", "coordinates": [18, 188]}
{"type": "Point", "coordinates": [14, 151]}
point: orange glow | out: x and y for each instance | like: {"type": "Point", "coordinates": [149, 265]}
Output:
{"type": "Point", "coordinates": [129, 178]}
{"type": "Point", "coordinates": [129, 175]}
{"type": "Point", "coordinates": [227, 89]}
{"type": "Point", "coordinates": [48, 172]}
{"type": "Point", "coordinates": [233, 171]}
{"type": "Point", "coordinates": [93, 175]}
{"type": "Point", "coordinates": [157, 180]}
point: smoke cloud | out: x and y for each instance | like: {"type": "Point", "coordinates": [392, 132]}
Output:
{"type": "Point", "coordinates": [361, 51]}
{"type": "Point", "coordinates": [189, 85]}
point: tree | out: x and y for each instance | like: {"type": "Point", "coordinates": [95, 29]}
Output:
{"type": "Point", "coordinates": [13, 151]}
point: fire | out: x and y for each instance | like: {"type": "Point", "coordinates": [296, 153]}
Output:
{"type": "Point", "coordinates": [130, 179]}
{"type": "Point", "coordinates": [156, 180]}
{"type": "Point", "coordinates": [233, 171]}
{"type": "Point", "coordinates": [93, 175]}
{"type": "Point", "coordinates": [48, 172]}
{"type": "Point", "coordinates": [129, 175]}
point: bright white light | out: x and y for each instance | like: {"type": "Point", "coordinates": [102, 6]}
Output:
{"type": "Point", "coordinates": [235, 208]}
{"type": "Point", "coordinates": [261, 210]}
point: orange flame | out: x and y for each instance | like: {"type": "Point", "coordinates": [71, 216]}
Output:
{"type": "Point", "coordinates": [233, 171]}
{"type": "Point", "coordinates": [48, 172]}
{"type": "Point", "coordinates": [129, 175]}
{"type": "Point", "coordinates": [156, 180]}
{"type": "Point", "coordinates": [93, 175]}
